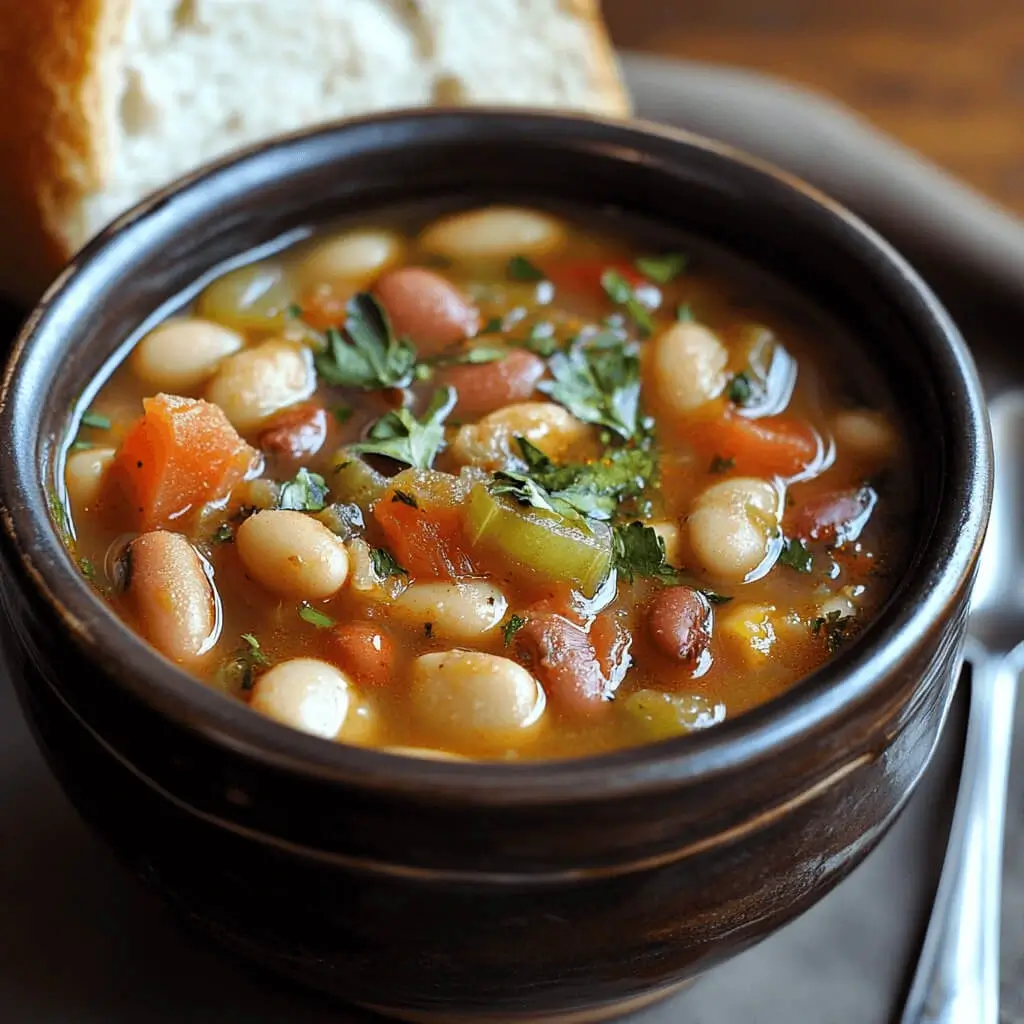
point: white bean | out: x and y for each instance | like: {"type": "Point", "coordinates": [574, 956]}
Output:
{"type": "Point", "coordinates": [865, 433]}
{"type": "Point", "coordinates": [476, 701]}
{"type": "Point", "coordinates": [180, 355]}
{"type": "Point", "coordinates": [252, 385]}
{"type": "Point", "coordinates": [687, 365]}
{"type": "Point", "coordinates": [456, 611]}
{"type": "Point", "coordinates": [309, 695]}
{"type": "Point", "coordinates": [731, 526]}
{"type": "Point", "coordinates": [292, 554]}
{"type": "Point", "coordinates": [838, 605]}
{"type": "Point", "coordinates": [172, 595]}
{"type": "Point", "coordinates": [495, 232]}
{"type": "Point", "coordinates": [489, 442]}
{"type": "Point", "coordinates": [83, 475]}
{"type": "Point", "coordinates": [353, 258]}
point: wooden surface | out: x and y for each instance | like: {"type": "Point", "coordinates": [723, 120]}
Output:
{"type": "Point", "coordinates": [944, 76]}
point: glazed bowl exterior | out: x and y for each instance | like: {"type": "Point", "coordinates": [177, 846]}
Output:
{"type": "Point", "coordinates": [445, 891]}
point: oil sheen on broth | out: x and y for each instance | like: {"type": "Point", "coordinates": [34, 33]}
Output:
{"type": "Point", "coordinates": [492, 484]}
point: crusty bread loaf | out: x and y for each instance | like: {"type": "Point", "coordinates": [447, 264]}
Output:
{"type": "Point", "coordinates": [107, 100]}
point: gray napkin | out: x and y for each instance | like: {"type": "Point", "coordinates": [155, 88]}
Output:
{"type": "Point", "coordinates": [80, 944]}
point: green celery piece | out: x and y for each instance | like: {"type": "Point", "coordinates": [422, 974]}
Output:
{"type": "Point", "coordinates": [548, 545]}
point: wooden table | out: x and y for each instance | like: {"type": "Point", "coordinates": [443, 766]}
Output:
{"type": "Point", "coordinates": [944, 76]}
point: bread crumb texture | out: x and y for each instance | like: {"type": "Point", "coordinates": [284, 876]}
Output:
{"type": "Point", "coordinates": [112, 99]}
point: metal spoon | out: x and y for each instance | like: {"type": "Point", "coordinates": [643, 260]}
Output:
{"type": "Point", "coordinates": [957, 976]}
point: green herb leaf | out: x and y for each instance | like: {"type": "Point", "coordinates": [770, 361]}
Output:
{"type": "Point", "coordinates": [598, 382]}
{"type": "Point", "coordinates": [740, 389]}
{"type": "Point", "coordinates": [343, 413]}
{"type": "Point", "coordinates": [519, 268]}
{"type": "Point", "coordinates": [367, 355]}
{"type": "Point", "coordinates": [493, 326]}
{"type": "Point", "coordinates": [482, 354]}
{"type": "Point", "coordinates": [294, 311]}
{"type": "Point", "coordinates": [662, 269]}
{"type": "Point", "coordinates": [402, 437]}
{"type": "Point", "coordinates": [835, 626]}
{"type": "Point", "coordinates": [637, 550]}
{"type": "Point", "coordinates": [721, 464]}
{"type": "Point", "coordinates": [423, 371]}
{"type": "Point", "coordinates": [620, 291]}
{"type": "Point", "coordinates": [522, 489]}
{"type": "Point", "coordinates": [684, 313]}
{"type": "Point", "coordinates": [95, 420]}
{"type": "Point", "coordinates": [82, 446]}
{"type": "Point", "coordinates": [542, 339]}
{"type": "Point", "coordinates": [224, 534]}
{"type": "Point", "coordinates": [240, 669]}
{"type": "Point", "coordinates": [404, 498]}
{"type": "Point", "coordinates": [796, 556]}
{"type": "Point", "coordinates": [306, 493]}
{"type": "Point", "coordinates": [385, 565]}
{"type": "Point", "coordinates": [713, 597]}
{"type": "Point", "coordinates": [510, 628]}
{"type": "Point", "coordinates": [88, 569]}
{"type": "Point", "coordinates": [314, 616]}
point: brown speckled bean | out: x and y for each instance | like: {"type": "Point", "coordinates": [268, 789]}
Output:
{"type": "Point", "coordinates": [425, 307]}
{"type": "Point", "coordinates": [679, 622]}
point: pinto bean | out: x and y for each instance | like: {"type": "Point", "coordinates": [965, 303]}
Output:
{"type": "Point", "coordinates": [427, 308]}
{"type": "Point", "coordinates": [295, 433]}
{"type": "Point", "coordinates": [486, 387]}
{"type": "Point", "coordinates": [679, 622]}
{"type": "Point", "coordinates": [365, 652]}
{"type": "Point", "coordinates": [835, 518]}
{"type": "Point", "coordinates": [563, 657]}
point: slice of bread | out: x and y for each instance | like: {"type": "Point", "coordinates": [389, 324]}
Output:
{"type": "Point", "coordinates": [108, 100]}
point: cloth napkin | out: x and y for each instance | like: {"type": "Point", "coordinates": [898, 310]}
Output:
{"type": "Point", "coordinates": [81, 944]}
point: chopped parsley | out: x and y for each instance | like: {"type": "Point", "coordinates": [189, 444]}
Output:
{"type": "Point", "coordinates": [542, 339]}
{"type": "Point", "coordinates": [662, 269]}
{"type": "Point", "coordinates": [402, 437]}
{"type": "Point", "coordinates": [684, 313]}
{"type": "Point", "coordinates": [482, 354]}
{"type": "Point", "coordinates": [796, 556]}
{"type": "Point", "coordinates": [82, 446]}
{"type": "Point", "coordinates": [343, 413]}
{"type": "Point", "coordinates": [314, 616]}
{"type": "Point", "coordinates": [740, 389]}
{"type": "Point", "coordinates": [493, 326]}
{"type": "Point", "coordinates": [721, 464]}
{"type": "Point", "coordinates": [405, 498]}
{"type": "Point", "coordinates": [621, 292]}
{"type": "Point", "coordinates": [423, 371]}
{"type": "Point", "coordinates": [224, 534]}
{"type": "Point", "coordinates": [637, 550]}
{"type": "Point", "coordinates": [510, 628]}
{"type": "Point", "coordinates": [834, 626]}
{"type": "Point", "coordinates": [385, 565]}
{"type": "Point", "coordinates": [599, 383]}
{"type": "Point", "coordinates": [88, 569]}
{"type": "Point", "coordinates": [240, 669]}
{"type": "Point", "coordinates": [366, 354]}
{"type": "Point", "coordinates": [95, 420]}
{"type": "Point", "coordinates": [519, 268]}
{"type": "Point", "coordinates": [306, 493]}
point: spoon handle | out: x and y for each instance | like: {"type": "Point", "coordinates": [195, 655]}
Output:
{"type": "Point", "coordinates": [957, 976]}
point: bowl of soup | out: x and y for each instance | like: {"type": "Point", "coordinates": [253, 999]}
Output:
{"type": "Point", "coordinates": [489, 566]}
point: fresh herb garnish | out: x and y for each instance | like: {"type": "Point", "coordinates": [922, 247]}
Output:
{"type": "Point", "coordinates": [402, 437]}
{"type": "Point", "coordinates": [423, 371]}
{"type": "Point", "coordinates": [405, 498]}
{"type": "Point", "coordinates": [314, 616]}
{"type": "Point", "coordinates": [598, 382]}
{"type": "Point", "coordinates": [95, 420]}
{"type": "Point", "coordinates": [542, 339]}
{"type": "Point", "coordinates": [638, 550]}
{"type": "Point", "coordinates": [713, 597]}
{"type": "Point", "coordinates": [88, 569]}
{"type": "Point", "coordinates": [519, 268]}
{"type": "Point", "coordinates": [510, 628]}
{"type": "Point", "coordinates": [294, 311]}
{"type": "Point", "coordinates": [621, 292]}
{"type": "Point", "coordinates": [306, 493]}
{"type": "Point", "coordinates": [343, 413]}
{"type": "Point", "coordinates": [796, 556]}
{"type": "Point", "coordinates": [521, 488]}
{"type": "Point", "coordinates": [367, 354]}
{"type": "Point", "coordinates": [834, 625]}
{"type": "Point", "coordinates": [684, 313]}
{"type": "Point", "coordinates": [385, 565]}
{"type": "Point", "coordinates": [721, 464]}
{"type": "Point", "coordinates": [482, 354]}
{"type": "Point", "coordinates": [223, 534]}
{"type": "Point", "coordinates": [493, 326]}
{"type": "Point", "coordinates": [740, 389]}
{"type": "Point", "coordinates": [240, 669]}
{"type": "Point", "coordinates": [662, 269]}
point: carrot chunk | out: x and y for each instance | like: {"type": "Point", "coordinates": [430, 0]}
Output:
{"type": "Point", "coordinates": [180, 454]}
{"type": "Point", "coordinates": [773, 445]}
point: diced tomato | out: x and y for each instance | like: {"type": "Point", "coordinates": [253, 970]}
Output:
{"type": "Point", "coordinates": [584, 278]}
{"type": "Point", "coordinates": [324, 307]}
{"type": "Point", "coordinates": [180, 454]}
{"type": "Point", "coordinates": [772, 445]}
{"type": "Point", "coordinates": [425, 537]}
{"type": "Point", "coordinates": [612, 641]}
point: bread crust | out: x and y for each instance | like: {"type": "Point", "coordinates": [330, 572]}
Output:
{"type": "Point", "coordinates": [612, 90]}
{"type": "Point", "coordinates": [53, 139]}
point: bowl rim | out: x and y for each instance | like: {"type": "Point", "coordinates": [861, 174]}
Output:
{"type": "Point", "coordinates": [815, 702]}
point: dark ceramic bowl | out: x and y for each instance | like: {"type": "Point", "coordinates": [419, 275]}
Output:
{"type": "Point", "coordinates": [441, 891]}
